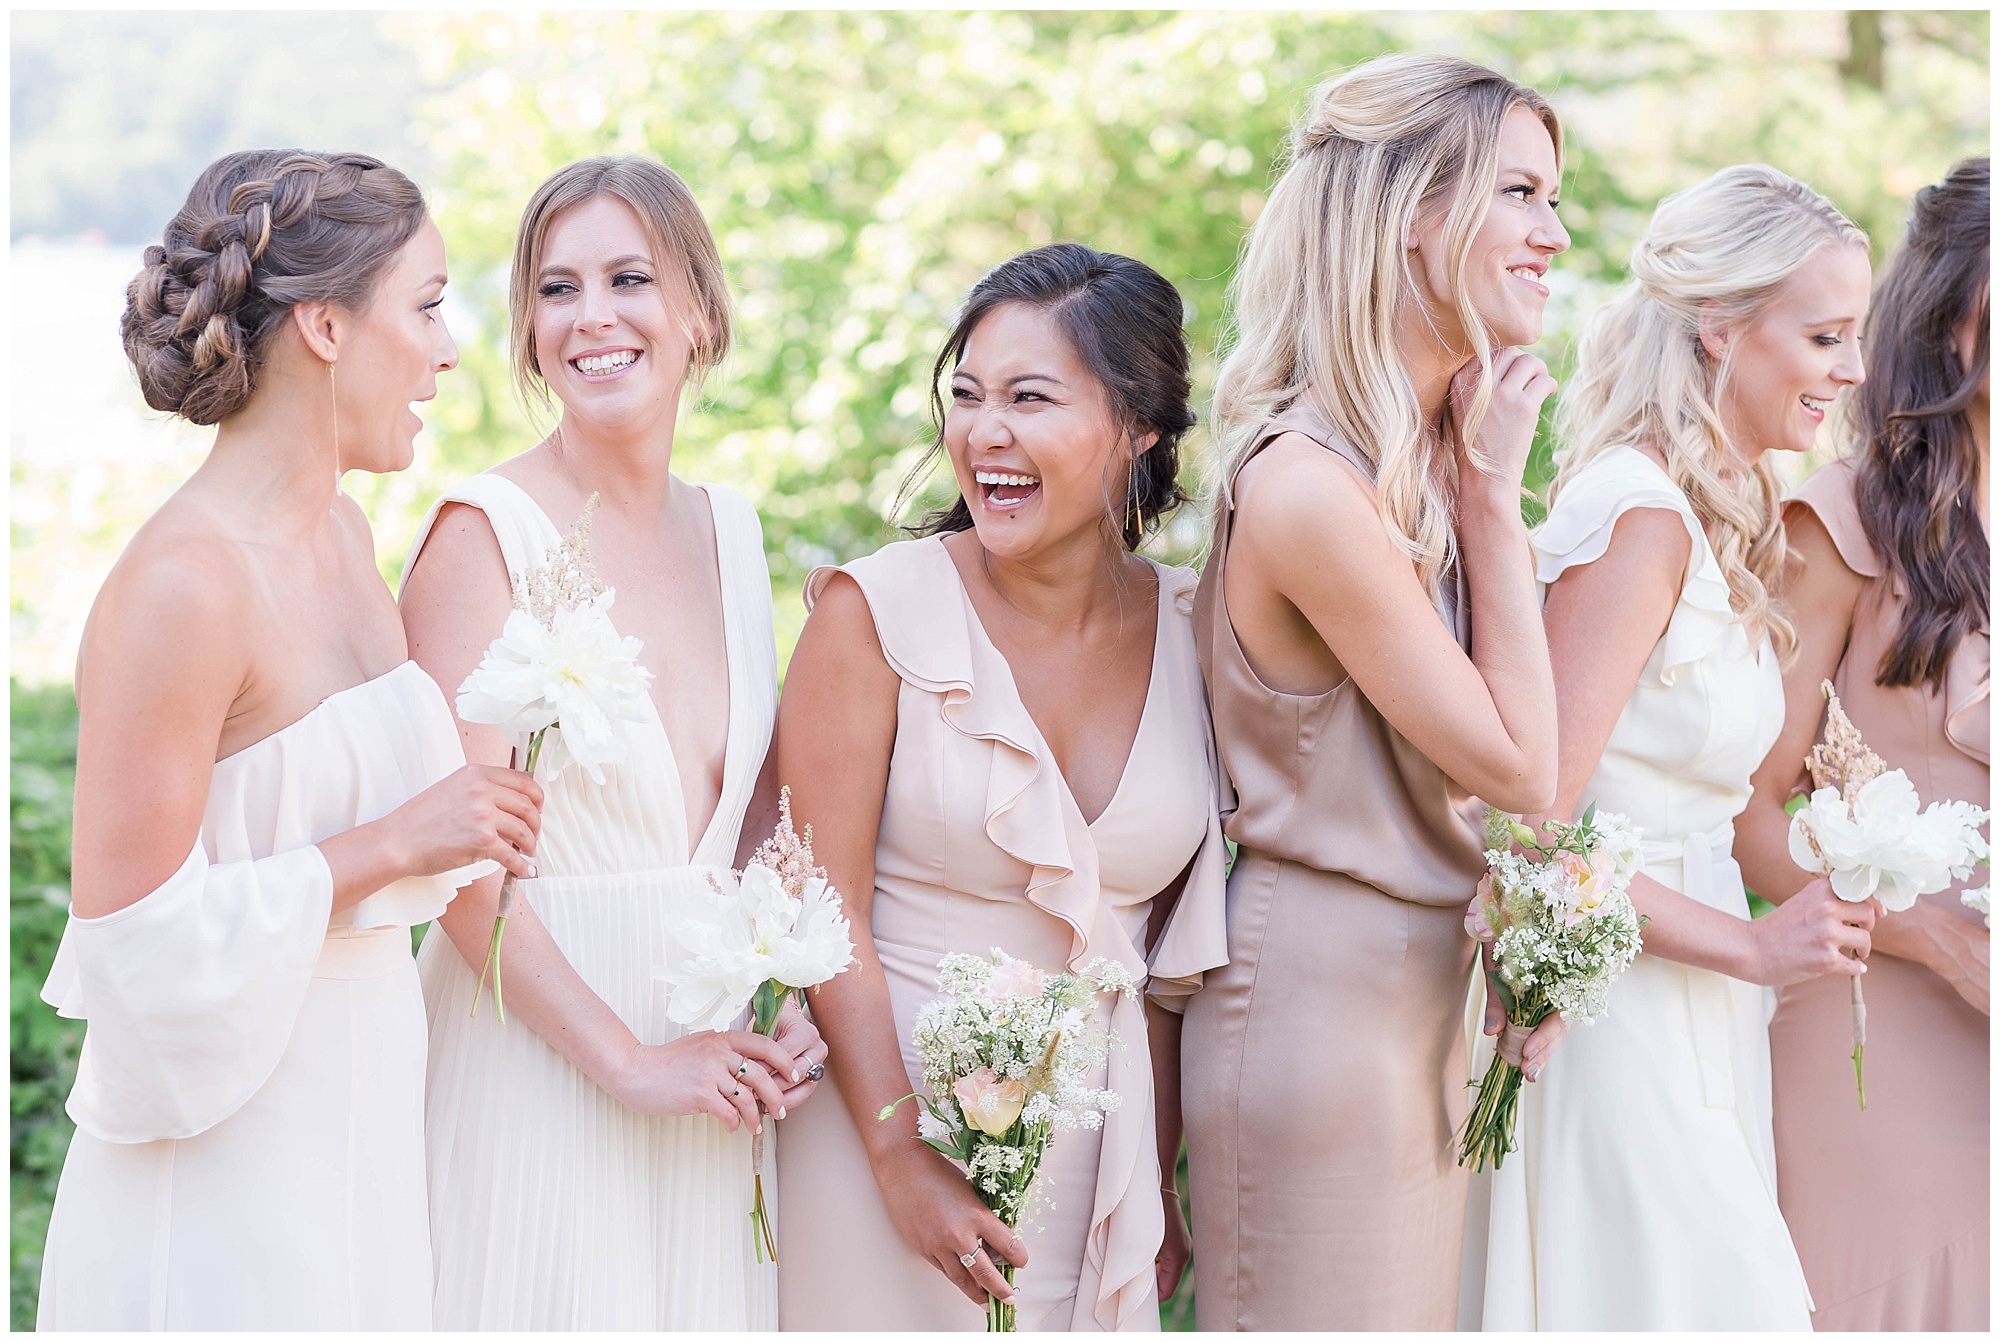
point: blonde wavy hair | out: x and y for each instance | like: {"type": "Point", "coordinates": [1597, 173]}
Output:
{"type": "Point", "coordinates": [1718, 251]}
{"type": "Point", "coordinates": [1324, 274]}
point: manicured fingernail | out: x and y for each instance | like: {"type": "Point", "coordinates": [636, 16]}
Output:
{"type": "Point", "coordinates": [533, 871]}
{"type": "Point", "coordinates": [795, 1075]}
{"type": "Point", "coordinates": [781, 1111]}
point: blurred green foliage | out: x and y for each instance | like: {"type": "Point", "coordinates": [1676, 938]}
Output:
{"type": "Point", "coordinates": [41, 1045]}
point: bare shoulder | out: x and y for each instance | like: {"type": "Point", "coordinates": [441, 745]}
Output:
{"type": "Point", "coordinates": [460, 553]}
{"type": "Point", "coordinates": [1297, 492]}
{"type": "Point", "coordinates": [841, 631]}
{"type": "Point", "coordinates": [179, 604]}
{"type": "Point", "coordinates": [1648, 541]}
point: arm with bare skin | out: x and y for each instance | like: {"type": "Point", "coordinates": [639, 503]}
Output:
{"type": "Point", "coordinates": [1604, 619]}
{"type": "Point", "coordinates": [456, 598]}
{"type": "Point", "coordinates": [1308, 533]}
{"type": "Point", "coordinates": [1822, 593]}
{"type": "Point", "coordinates": [836, 730]}
{"type": "Point", "coordinates": [166, 657]}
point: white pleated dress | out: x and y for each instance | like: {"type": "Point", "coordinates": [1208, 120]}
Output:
{"type": "Point", "coordinates": [553, 1206]}
{"type": "Point", "coordinates": [1644, 1192]}
{"type": "Point", "coordinates": [249, 1151]}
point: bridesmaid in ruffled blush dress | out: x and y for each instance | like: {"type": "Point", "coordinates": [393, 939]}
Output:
{"type": "Point", "coordinates": [1890, 593]}
{"type": "Point", "coordinates": [268, 793]}
{"type": "Point", "coordinates": [997, 731]}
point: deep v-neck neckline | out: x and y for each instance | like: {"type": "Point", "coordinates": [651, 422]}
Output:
{"type": "Point", "coordinates": [729, 661]}
{"type": "Point", "coordinates": [1014, 689]}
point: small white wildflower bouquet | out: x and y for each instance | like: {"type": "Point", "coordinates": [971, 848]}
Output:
{"type": "Point", "coordinates": [1006, 1050]}
{"type": "Point", "coordinates": [1862, 829]}
{"type": "Point", "coordinates": [560, 679]}
{"type": "Point", "coordinates": [1980, 901]}
{"type": "Point", "coordinates": [1562, 929]}
{"type": "Point", "coordinates": [770, 931]}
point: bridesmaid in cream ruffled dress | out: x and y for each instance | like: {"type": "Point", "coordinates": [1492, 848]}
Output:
{"type": "Point", "coordinates": [590, 1161]}
{"type": "Point", "coordinates": [1643, 1194]}
{"type": "Point", "coordinates": [268, 794]}
{"type": "Point", "coordinates": [998, 734]}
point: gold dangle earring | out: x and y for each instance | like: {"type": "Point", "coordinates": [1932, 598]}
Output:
{"type": "Point", "coordinates": [333, 394]}
{"type": "Point", "coordinates": [1132, 518]}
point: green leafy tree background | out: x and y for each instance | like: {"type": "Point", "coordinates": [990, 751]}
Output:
{"type": "Point", "coordinates": [860, 171]}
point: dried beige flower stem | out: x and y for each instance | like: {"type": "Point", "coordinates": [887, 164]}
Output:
{"type": "Point", "coordinates": [1843, 761]}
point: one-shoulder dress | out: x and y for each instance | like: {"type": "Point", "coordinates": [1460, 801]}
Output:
{"type": "Point", "coordinates": [1324, 1069]}
{"type": "Point", "coordinates": [983, 846]}
{"type": "Point", "coordinates": [1644, 1193]}
{"type": "Point", "coordinates": [553, 1206]}
{"type": "Point", "coordinates": [1890, 1207]}
{"type": "Point", "coordinates": [249, 1151]}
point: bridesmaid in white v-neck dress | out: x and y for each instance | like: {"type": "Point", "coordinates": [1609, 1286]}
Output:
{"type": "Point", "coordinates": [554, 1204]}
{"type": "Point", "coordinates": [590, 1162]}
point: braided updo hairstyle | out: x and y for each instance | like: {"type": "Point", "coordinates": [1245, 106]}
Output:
{"type": "Point", "coordinates": [262, 230]}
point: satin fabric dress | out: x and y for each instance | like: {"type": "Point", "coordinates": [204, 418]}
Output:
{"type": "Point", "coordinates": [1643, 1195]}
{"type": "Point", "coordinates": [553, 1206]}
{"type": "Point", "coordinates": [1324, 1068]}
{"type": "Point", "coordinates": [981, 846]}
{"type": "Point", "coordinates": [1890, 1207]}
{"type": "Point", "coordinates": [249, 1102]}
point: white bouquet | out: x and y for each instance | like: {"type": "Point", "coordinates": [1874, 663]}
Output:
{"type": "Point", "coordinates": [773, 931]}
{"type": "Point", "coordinates": [1980, 900]}
{"type": "Point", "coordinates": [1006, 1051]}
{"type": "Point", "coordinates": [1861, 828]}
{"type": "Point", "coordinates": [560, 677]}
{"type": "Point", "coordinates": [1562, 928]}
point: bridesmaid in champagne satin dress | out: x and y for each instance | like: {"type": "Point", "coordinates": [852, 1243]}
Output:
{"type": "Point", "coordinates": [1362, 683]}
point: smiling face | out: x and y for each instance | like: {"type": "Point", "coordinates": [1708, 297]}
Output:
{"type": "Point", "coordinates": [613, 331]}
{"type": "Point", "coordinates": [1785, 365]}
{"type": "Point", "coordinates": [397, 346]}
{"type": "Point", "coordinates": [1511, 251]}
{"type": "Point", "coordinates": [1031, 436]}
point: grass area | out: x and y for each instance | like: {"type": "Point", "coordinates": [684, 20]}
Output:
{"type": "Point", "coordinates": [42, 1046]}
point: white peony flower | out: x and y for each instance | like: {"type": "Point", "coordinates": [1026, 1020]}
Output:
{"type": "Point", "coordinates": [750, 931]}
{"type": "Point", "coordinates": [1884, 846]}
{"type": "Point", "coordinates": [575, 674]}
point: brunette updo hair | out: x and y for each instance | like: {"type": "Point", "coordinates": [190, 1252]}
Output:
{"type": "Point", "coordinates": [1123, 319]}
{"type": "Point", "coordinates": [1916, 485]}
{"type": "Point", "coordinates": [262, 230]}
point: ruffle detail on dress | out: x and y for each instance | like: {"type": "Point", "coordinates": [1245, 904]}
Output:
{"type": "Point", "coordinates": [1829, 493]}
{"type": "Point", "coordinates": [191, 992]}
{"type": "Point", "coordinates": [1968, 689]}
{"type": "Point", "coordinates": [924, 620]}
{"type": "Point", "coordinates": [1196, 937]}
{"type": "Point", "coordinates": [1578, 531]}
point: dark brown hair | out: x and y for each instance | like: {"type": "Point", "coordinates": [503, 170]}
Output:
{"type": "Point", "coordinates": [1915, 481]}
{"type": "Point", "coordinates": [674, 224]}
{"type": "Point", "coordinates": [261, 231]}
{"type": "Point", "coordinates": [1123, 319]}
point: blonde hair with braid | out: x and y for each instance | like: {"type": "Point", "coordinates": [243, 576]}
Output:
{"type": "Point", "coordinates": [1324, 276]}
{"type": "Point", "coordinates": [262, 231]}
{"type": "Point", "coordinates": [1718, 252]}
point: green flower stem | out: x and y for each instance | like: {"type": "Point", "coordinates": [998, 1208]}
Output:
{"type": "Point", "coordinates": [492, 965]}
{"type": "Point", "coordinates": [1000, 1314]}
